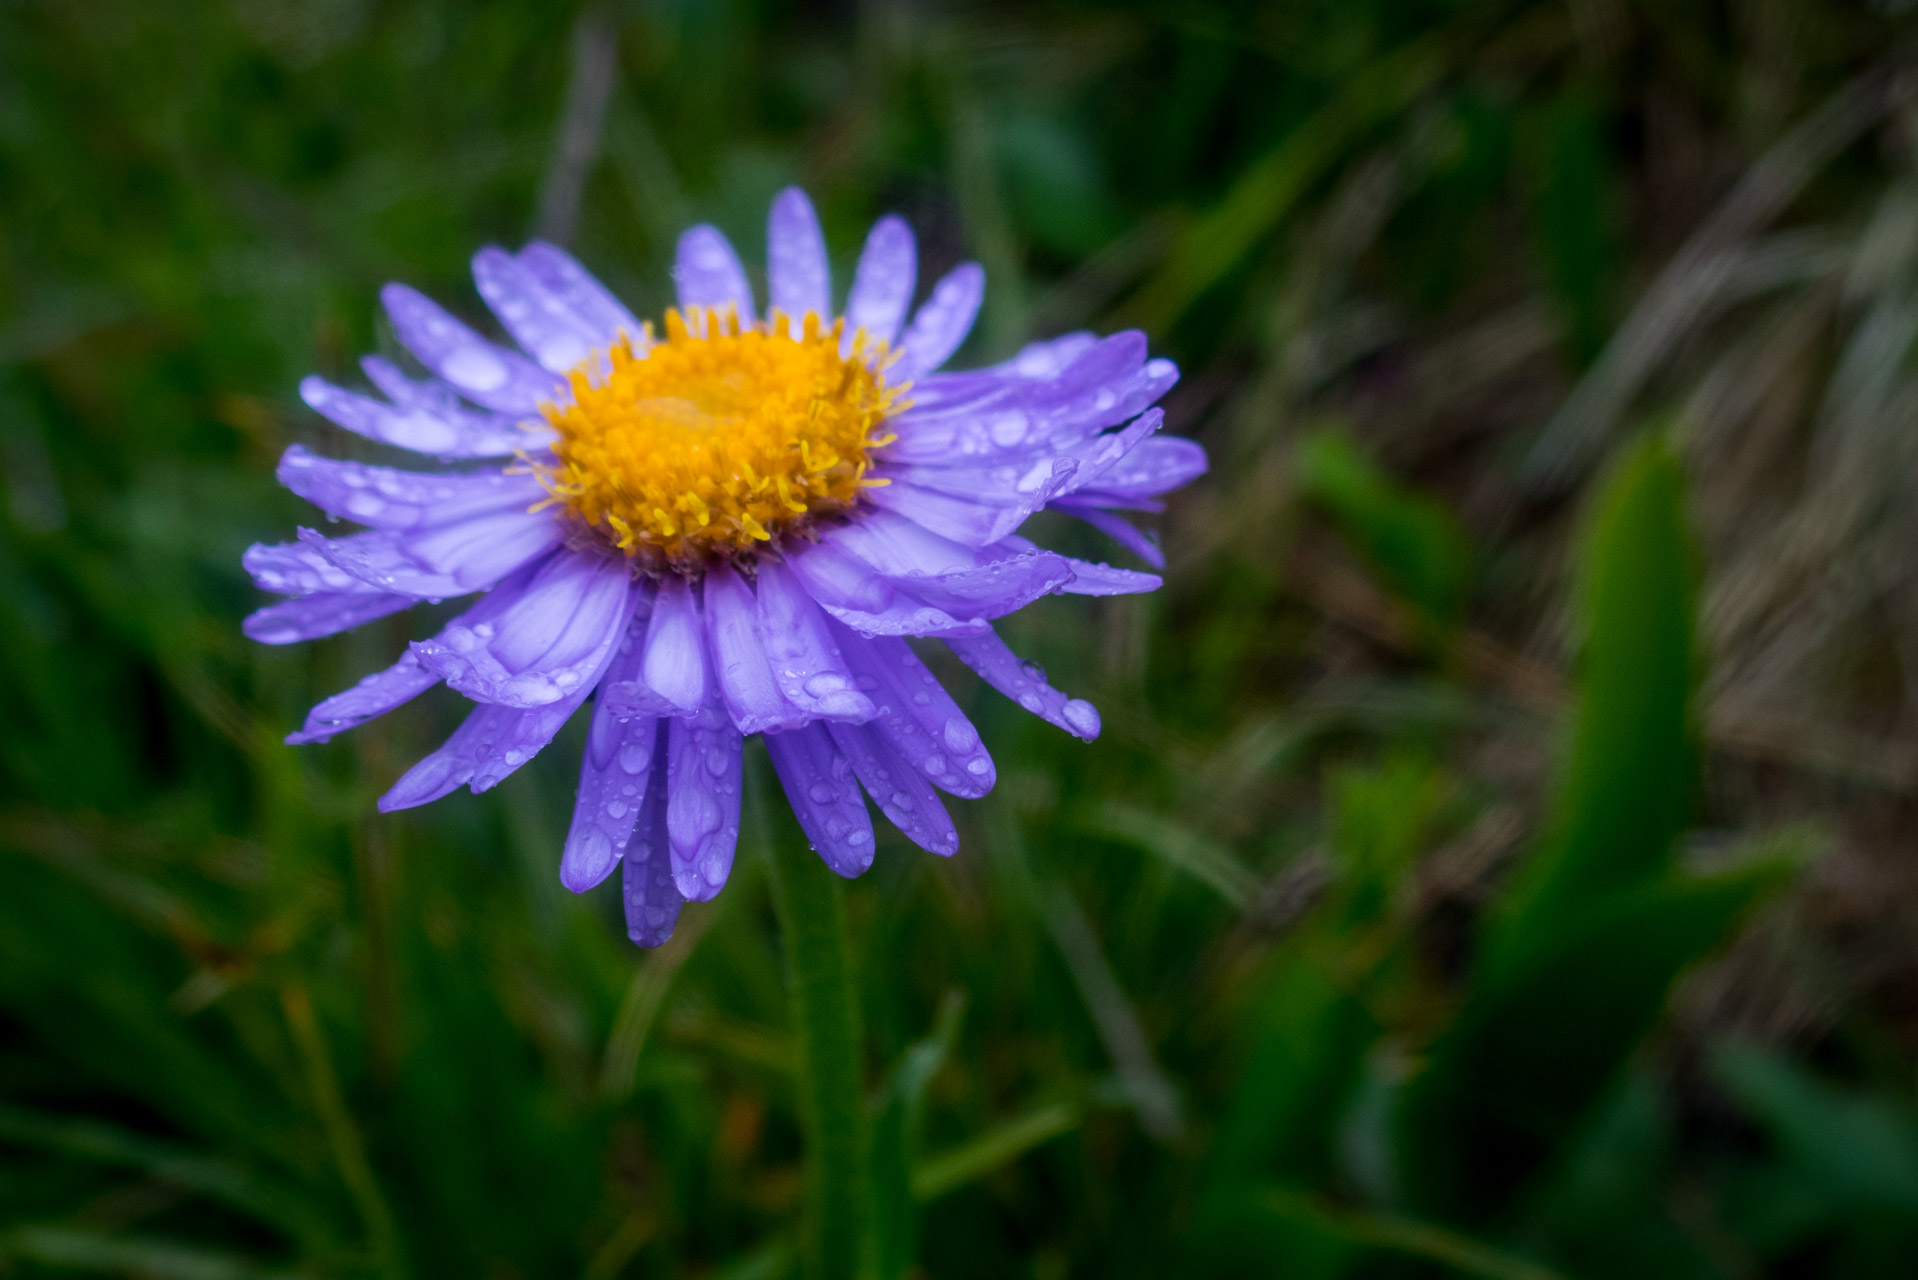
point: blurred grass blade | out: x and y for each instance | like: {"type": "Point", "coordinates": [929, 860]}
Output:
{"type": "Point", "coordinates": [825, 1015]}
{"type": "Point", "coordinates": [1208, 250]}
{"type": "Point", "coordinates": [217, 1179]}
{"type": "Point", "coordinates": [896, 1137]}
{"type": "Point", "coordinates": [993, 1150]}
{"type": "Point", "coordinates": [1458, 1253]}
{"type": "Point", "coordinates": [144, 1259]}
{"type": "Point", "coordinates": [1181, 847]}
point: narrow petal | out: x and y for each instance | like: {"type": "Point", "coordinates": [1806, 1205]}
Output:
{"type": "Point", "coordinates": [459, 434]}
{"type": "Point", "coordinates": [565, 619]}
{"type": "Point", "coordinates": [942, 322]}
{"type": "Point", "coordinates": [542, 326]}
{"type": "Point", "coordinates": [652, 899]}
{"type": "Point", "coordinates": [1156, 466]}
{"type": "Point", "coordinates": [806, 663]}
{"type": "Point", "coordinates": [798, 277]}
{"type": "Point", "coordinates": [442, 560]}
{"type": "Point", "coordinates": [1089, 579]}
{"type": "Point", "coordinates": [626, 692]}
{"type": "Point", "coordinates": [883, 282]}
{"type": "Point", "coordinates": [489, 745]}
{"type": "Point", "coordinates": [613, 776]}
{"type": "Point", "coordinates": [372, 697]}
{"type": "Point", "coordinates": [321, 613]}
{"type": "Point", "coordinates": [918, 717]}
{"type": "Point", "coordinates": [709, 275]}
{"type": "Point", "coordinates": [906, 799]}
{"type": "Point", "coordinates": [825, 797]}
{"type": "Point", "coordinates": [675, 663]}
{"type": "Point", "coordinates": [1025, 683]}
{"type": "Point", "coordinates": [704, 772]}
{"type": "Point", "coordinates": [484, 373]}
{"type": "Point", "coordinates": [389, 498]}
{"type": "Point", "coordinates": [974, 524]}
{"type": "Point", "coordinates": [574, 287]}
{"type": "Point", "coordinates": [740, 664]}
{"type": "Point", "coordinates": [296, 568]}
{"type": "Point", "coordinates": [849, 590]}
{"type": "Point", "coordinates": [1119, 529]}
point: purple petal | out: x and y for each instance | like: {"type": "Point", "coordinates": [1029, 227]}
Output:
{"type": "Point", "coordinates": [704, 771]}
{"type": "Point", "coordinates": [573, 287]}
{"type": "Point", "coordinates": [489, 745]}
{"type": "Point", "coordinates": [806, 663]}
{"type": "Point", "coordinates": [558, 623]}
{"type": "Point", "coordinates": [1089, 579]}
{"type": "Point", "coordinates": [296, 568]}
{"type": "Point", "coordinates": [825, 797]}
{"type": "Point", "coordinates": [896, 546]}
{"type": "Point", "coordinates": [374, 696]}
{"type": "Point", "coordinates": [798, 278]}
{"type": "Point", "coordinates": [482, 372]}
{"type": "Point", "coordinates": [675, 662]}
{"type": "Point", "coordinates": [613, 776]}
{"type": "Point", "coordinates": [322, 613]}
{"type": "Point", "coordinates": [744, 674]}
{"type": "Point", "coordinates": [541, 325]}
{"type": "Point", "coordinates": [442, 560]}
{"type": "Point", "coordinates": [882, 284]}
{"type": "Point", "coordinates": [906, 799]}
{"type": "Point", "coordinates": [1025, 683]}
{"type": "Point", "coordinates": [917, 716]}
{"type": "Point", "coordinates": [942, 322]}
{"type": "Point", "coordinates": [1119, 529]}
{"type": "Point", "coordinates": [388, 498]}
{"type": "Point", "coordinates": [1156, 466]}
{"type": "Point", "coordinates": [848, 589]}
{"type": "Point", "coordinates": [1022, 426]}
{"type": "Point", "coordinates": [709, 275]}
{"type": "Point", "coordinates": [625, 691]}
{"type": "Point", "coordinates": [975, 524]}
{"type": "Point", "coordinates": [652, 899]}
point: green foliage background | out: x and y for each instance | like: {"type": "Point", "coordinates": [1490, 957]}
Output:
{"type": "Point", "coordinates": [1498, 860]}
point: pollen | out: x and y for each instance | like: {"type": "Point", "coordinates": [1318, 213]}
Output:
{"type": "Point", "coordinates": [721, 438]}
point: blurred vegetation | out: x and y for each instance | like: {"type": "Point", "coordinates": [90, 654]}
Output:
{"type": "Point", "coordinates": [1498, 861]}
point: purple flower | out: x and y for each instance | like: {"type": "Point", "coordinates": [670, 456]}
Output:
{"type": "Point", "coordinates": [725, 530]}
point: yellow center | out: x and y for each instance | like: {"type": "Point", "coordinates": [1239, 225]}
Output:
{"type": "Point", "coordinates": [715, 440]}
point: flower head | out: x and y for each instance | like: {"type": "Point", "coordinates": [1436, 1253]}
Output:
{"type": "Point", "coordinates": [725, 530]}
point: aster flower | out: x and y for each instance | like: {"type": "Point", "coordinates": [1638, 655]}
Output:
{"type": "Point", "coordinates": [725, 528]}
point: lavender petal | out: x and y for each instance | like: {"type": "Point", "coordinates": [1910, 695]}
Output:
{"type": "Point", "coordinates": [709, 275]}
{"type": "Point", "coordinates": [906, 799]}
{"type": "Point", "coordinates": [675, 659]}
{"type": "Point", "coordinates": [825, 797]}
{"type": "Point", "coordinates": [484, 373]}
{"type": "Point", "coordinates": [798, 276]}
{"type": "Point", "coordinates": [918, 717]}
{"type": "Point", "coordinates": [942, 322]}
{"type": "Point", "coordinates": [744, 674]}
{"type": "Point", "coordinates": [704, 781]}
{"type": "Point", "coordinates": [1119, 529]}
{"type": "Point", "coordinates": [882, 283]}
{"type": "Point", "coordinates": [389, 498]}
{"type": "Point", "coordinates": [1025, 683]}
{"type": "Point", "coordinates": [372, 697]}
{"type": "Point", "coordinates": [652, 899]}
{"type": "Point", "coordinates": [321, 613]}
{"type": "Point", "coordinates": [806, 663]}
{"type": "Point", "coordinates": [613, 776]}
{"type": "Point", "coordinates": [573, 287]}
{"type": "Point", "coordinates": [543, 327]}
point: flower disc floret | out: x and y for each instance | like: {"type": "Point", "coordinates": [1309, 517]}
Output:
{"type": "Point", "coordinates": [719, 438]}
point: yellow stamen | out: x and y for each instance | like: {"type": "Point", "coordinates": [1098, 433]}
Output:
{"type": "Point", "coordinates": [720, 437]}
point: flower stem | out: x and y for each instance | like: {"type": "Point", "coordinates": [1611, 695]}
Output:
{"type": "Point", "coordinates": [825, 1009]}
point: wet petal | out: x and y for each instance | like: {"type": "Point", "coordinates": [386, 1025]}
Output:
{"type": "Point", "coordinates": [675, 662]}
{"type": "Point", "coordinates": [825, 797]}
{"type": "Point", "coordinates": [567, 617]}
{"type": "Point", "coordinates": [704, 780]}
{"type": "Point", "coordinates": [652, 899]}
{"type": "Point", "coordinates": [442, 560]}
{"type": "Point", "coordinates": [574, 287]}
{"type": "Point", "coordinates": [709, 275]}
{"type": "Point", "coordinates": [1119, 529]}
{"type": "Point", "coordinates": [740, 664]}
{"type": "Point", "coordinates": [613, 778]}
{"type": "Point", "coordinates": [320, 613]}
{"type": "Point", "coordinates": [1025, 683]}
{"type": "Point", "coordinates": [798, 277]}
{"type": "Point", "coordinates": [389, 498]}
{"type": "Point", "coordinates": [806, 663]}
{"type": "Point", "coordinates": [481, 371]}
{"type": "Point", "coordinates": [548, 330]}
{"type": "Point", "coordinates": [883, 282]}
{"type": "Point", "coordinates": [490, 744]}
{"type": "Point", "coordinates": [906, 799]}
{"type": "Point", "coordinates": [917, 716]}
{"type": "Point", "coordinates": [1156, 466]}
{"type": "Point", "coordinates": [942, 322]}
{"type": "Point", "coordinates": [372, 697]}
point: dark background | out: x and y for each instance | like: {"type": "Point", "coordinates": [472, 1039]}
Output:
{"type": "Point", "coordinates": [1499, 859]}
